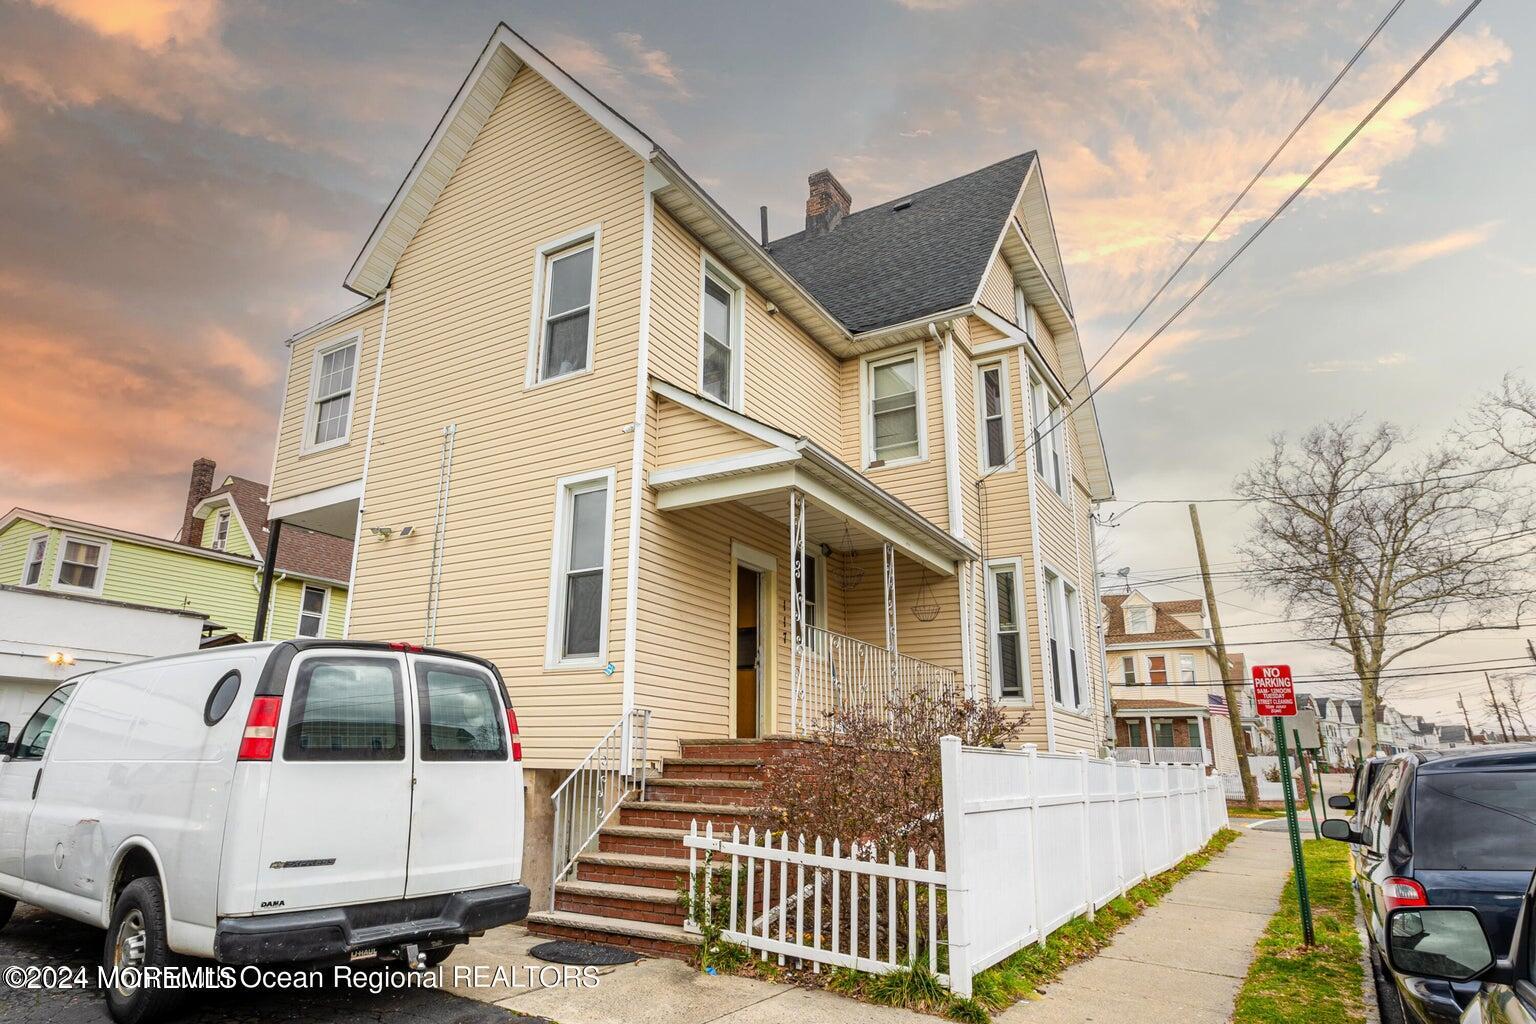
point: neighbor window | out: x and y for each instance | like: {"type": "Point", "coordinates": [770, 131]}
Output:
{"type": "Point", "coordinates": [1186, 668]}
{"type": "Point", "coordinates": [894, 420]}
{"type": "Point", "coordinates": [37, 550]}
{"type": "Point", "coordinates": [993, 400]}
{"type": "Point", "coordinates": [1007, 642]}
{"type": "Point", "coordinates": [1138, 620]}
{"type": "Point", "coordinates": [720, 341]}
{"type": "Point", "coordinates": [221, 531]}
{"type": "Point", "coordinates": [312, 612]}
{"type": "Point", "coordinates": [335, 375]}
{"type": "Point", "coordinates": [1134, 734]}
{"type": "Point", "coordinates": [80, 565]}
{"type": "Point", "coordinates": [1157, 669]}
{"type": "Point", "coordinates": [1128, 670]}
{"type": "Point", "coordinates": [565, 332]}
{"type": "Point", "coordinates": [580, 585]}
{"type": "Point", "coordinates": [1162, 729]}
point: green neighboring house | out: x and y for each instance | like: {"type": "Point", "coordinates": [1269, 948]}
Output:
{"type": "Point", "coordinates": [213, 566]}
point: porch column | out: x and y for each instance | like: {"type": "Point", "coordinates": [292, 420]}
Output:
{"type": "Point", "coordinates": [1199, 725]}
{"type": "Point", "coordinates": [268, 568]}
{"type": "Point", "coordinates": [890, 597]}
{"type": "Point", "coordinates": [799, 715]}
{"type": "Point", "coordinates": [1151, 741]}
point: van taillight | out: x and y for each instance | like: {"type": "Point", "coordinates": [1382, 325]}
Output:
{"type": "Point", "coordinates": [1403, 892]}
{"type": "Point", "coordinates": [260, 736]}
{"type": "Point", "coordinates": [517, 746]}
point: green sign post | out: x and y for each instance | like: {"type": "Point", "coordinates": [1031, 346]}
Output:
{"type": "Point", "coordinates": [1302, 899]}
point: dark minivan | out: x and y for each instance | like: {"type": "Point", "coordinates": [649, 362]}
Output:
{"type": "Point", "coordinates": [1445, 829]}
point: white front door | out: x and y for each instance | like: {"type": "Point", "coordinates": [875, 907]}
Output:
{"type": "Point", "coordinates": [467, 808]}
{"type": "Point", "coordinates": [337, 819]}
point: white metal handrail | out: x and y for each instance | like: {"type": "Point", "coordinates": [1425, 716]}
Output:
{"type": "Point", "coordinates": [838, 673]}
{"type": "Point", "coordinates": [584, 802]}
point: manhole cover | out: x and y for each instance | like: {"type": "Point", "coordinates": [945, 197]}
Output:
{"type": "Point", "coordinates": [582, 954]}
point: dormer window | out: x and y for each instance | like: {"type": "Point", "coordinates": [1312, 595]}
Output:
{"type": "Point", "coordinates": [221, 531]}
{"type": "Point", "coordinates": [1138, 619]}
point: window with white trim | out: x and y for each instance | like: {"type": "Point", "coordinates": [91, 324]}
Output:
{"type": "Point", "coordinates": [579, 598]}
{"type": "Point", "coordinates": [220, 531]}
{"type": "Point", "coordinates": [1072, 618]}
{"type": "Point", "coordinates": [1053, 635]}
{"type": "Point", "coordinates": [992, 402]}
{"type": "Point", "coordinates": [1023, 313]}
{"type": "Point", "coordinates": [312, 611]}
{"type": "Point", "coordinates": [1186, 668]}
{"type": "Point", "coordinates": [335, 377]}
{"type": "Point", "coordinates": [80, 565]}
{"type": "Point", "coordinates": [37, 551]}
{"type": "Point", "coordinates": [1128, 670]}
{"type": "Point", "coordinates": [893, 419]}
{"type": "Point", "coordinates": [567, 292]}
{"type": "Point", "coordinates": [811, 580]}
{"type": "Point", "coordinates": [1138, 619]}
{"type": "Point", "coordinates": [1005, 610]}
{"type": "Point", "coordinates": [720, 339]}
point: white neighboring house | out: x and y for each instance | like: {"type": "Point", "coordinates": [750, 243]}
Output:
{"type": "Point", "coordinates": [46, 637]}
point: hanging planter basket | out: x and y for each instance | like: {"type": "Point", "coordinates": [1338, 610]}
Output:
{"type": "Point", "coordinates": [927, 607]}
{"type": "Point", "coordinates": [848, 575]}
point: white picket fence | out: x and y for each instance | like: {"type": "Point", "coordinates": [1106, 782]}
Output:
{"type": "Point", "coordinates": [1031, 841]}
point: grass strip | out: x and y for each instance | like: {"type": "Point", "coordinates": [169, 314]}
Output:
{"type": "Point", "coordinates": [1288, 983]}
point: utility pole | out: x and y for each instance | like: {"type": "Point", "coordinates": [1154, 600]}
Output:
{"type": "Point", "coordinates": [1229, 685]}
{"type": "Point", "coordinates": [1471, 736]}
{"type": "Point", "coordinates": [1498, 712]}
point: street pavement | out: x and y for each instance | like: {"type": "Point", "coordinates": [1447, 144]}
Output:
{"type": "Point", "coordinates": [36, 938]}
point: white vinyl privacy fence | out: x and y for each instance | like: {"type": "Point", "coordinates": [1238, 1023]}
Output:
{"type": "Point", "coordinates": [1031, 841]}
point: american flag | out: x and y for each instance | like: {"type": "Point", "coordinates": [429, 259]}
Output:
{"type": "Point", "coordinates": [1216, 703]}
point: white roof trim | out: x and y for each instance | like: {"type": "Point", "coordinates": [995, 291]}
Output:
{"type": "Point", "coordinates": [298, 336]}
{"type": "Point", "coordinates": [207, 505]}
{"type": "Point", "coordinates": [504, 55]}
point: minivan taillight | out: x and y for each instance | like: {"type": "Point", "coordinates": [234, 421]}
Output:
{"type": "Point", "coordinates": [517, 746]}
{"type": "Point", "coordinates": [260, 736]}
{"type": "Point", "coordinates": [1403, 892]}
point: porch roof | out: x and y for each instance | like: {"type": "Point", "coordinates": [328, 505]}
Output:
{"type": "Point", "coordinates": [759, 478]}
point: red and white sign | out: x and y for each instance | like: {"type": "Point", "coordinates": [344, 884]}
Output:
{"type": "Point", "coordinates": [1273, 695]}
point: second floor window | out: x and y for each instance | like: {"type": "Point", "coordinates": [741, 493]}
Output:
{"type": "Point", "coordinates": [221, 531]}
{"type": "Point", "coordinates": [1157, 669]}
{"type": "Point", "coordinates": [1007, 642]}
{"type": "Point", "coordinates": [1128, 670]}
{"type": "Point", "coordinates": [565, 335]}
{"type": "Point", "coordinates": [1186, 668]}
{"type": "Point", "coordinates": [80, 566]}
{"type": "Point", "coordinates": [312, 612]}
{"type": "Point", "coordinates": [720, 340]}
{"type": "Point", "coordinates": [579, 590]}
{"type": "Point", "coordinates": [894, 419]}
{"type": "Point", "coordinates": [37, 550]}
{"type": "Point", "coordinates": [331, 404]}
{"type": "Point", "coordinates": [993, 399]}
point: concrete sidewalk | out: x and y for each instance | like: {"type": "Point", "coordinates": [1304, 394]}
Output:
{"type": "Point", "coordinates": [1185, 958]}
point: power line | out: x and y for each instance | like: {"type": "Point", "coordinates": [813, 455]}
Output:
{"type": "Point", "coordinates": [1243, 194]}
{"type": "Point", "coordinates": [1454, 668]}
{"type": "Point", "coordinates": [1248, 242]}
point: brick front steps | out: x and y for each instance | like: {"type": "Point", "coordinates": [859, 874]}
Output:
{"type": "Point", "coordinates": [624, 888]}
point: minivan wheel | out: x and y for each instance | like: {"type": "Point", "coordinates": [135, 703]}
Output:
{"type": "Point", "coordinates": [7, 908]}
{"type": "Point", "coordinates": [136, 943]}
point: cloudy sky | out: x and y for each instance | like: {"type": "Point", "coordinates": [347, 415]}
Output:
{"type": "Point", "coordinates": [185, 182]}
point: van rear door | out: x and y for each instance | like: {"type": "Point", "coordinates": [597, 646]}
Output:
{"type": "Point", "coordinates": [467, 811]}
{"type": "Point", "coordinates": [338, 807]}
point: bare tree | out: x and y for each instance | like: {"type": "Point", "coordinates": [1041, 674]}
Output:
{"type": "Point", "coordinates": [1383, 553]}
{"type": "Point", "coordinates": [1504, 422]}
{"type": "Point", "coordinates": [1514, 701]}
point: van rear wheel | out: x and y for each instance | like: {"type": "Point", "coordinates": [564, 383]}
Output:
{"type": "Point", "coordinates": [136, 944]}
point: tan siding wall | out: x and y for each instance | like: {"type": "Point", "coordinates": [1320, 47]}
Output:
{"type": "Point", "coordinates": [789, 380]}
{"type": "Point", "coordinates": [997, 289]}
{"type": "Point", "coordinates": [683, 436]}
{"type": "Point", "coordinates": [299, 473]}
{"type": "Point", "coordinates": [457, 351]}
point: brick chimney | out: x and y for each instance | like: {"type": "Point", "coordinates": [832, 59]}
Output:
{"type": "Point", "coordinates": [827, 204]}
{"type": "Point", "coordinates": [198, 488]}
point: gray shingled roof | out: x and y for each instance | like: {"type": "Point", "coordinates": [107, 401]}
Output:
{"type": "Point", "coordinates": [884, 266]}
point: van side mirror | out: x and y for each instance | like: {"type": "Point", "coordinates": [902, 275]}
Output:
{"type": "Point", "coordinates": [1444, 943]}
{"type": "Point", "coordinates": [1341, 802]}
{"type": "Point", "coordinates": [1340, 829]}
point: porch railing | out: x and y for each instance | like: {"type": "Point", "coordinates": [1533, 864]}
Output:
{"type": "Point", "coordinates": [838, 673]}
{"type": "Point", "coordinates": [587, 798]}
{"type": "Point", "coordinates": [1162, 755]}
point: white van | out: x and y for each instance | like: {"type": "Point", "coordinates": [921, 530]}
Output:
{"type": "Point", "coordinates": [269, 803]}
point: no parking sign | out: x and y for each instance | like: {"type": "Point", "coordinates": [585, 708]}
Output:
{"type": "Point", "coordinates": [1273, 694]}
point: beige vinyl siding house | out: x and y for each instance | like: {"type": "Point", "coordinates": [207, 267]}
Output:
{"type": "Point", "coordinates": [587, 407]}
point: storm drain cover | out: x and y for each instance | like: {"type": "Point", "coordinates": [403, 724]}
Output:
{"type": "Point", "coordinates": [582, 954]}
